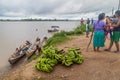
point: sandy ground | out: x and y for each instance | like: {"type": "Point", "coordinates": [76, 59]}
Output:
{"type": "Point", "coordinates": [97, 65]}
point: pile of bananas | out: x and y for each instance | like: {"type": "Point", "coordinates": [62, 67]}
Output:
{"type": "Point", "coordinates": [72, 56]}
{"type": "Point", "coordinates": [46, 64]}
{"type": "Point", "coordinates": [52, 56]}
{"type": "Point", "coordinates": [49, 52]}
{"type": "Point", "coordinates": [53, 53]}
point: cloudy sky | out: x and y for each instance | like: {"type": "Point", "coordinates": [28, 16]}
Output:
{"type": "Point", "coordinates": [62, 9]}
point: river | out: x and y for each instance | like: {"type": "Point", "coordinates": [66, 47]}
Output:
{"type": "Point", "coordinates": [13, 34]}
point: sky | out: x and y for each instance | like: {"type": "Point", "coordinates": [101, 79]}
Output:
{"type": "Point", "coordinates": [59, 9]}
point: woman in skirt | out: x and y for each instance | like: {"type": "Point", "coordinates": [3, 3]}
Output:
{"type": "Point", "coordinates": [99, 32]}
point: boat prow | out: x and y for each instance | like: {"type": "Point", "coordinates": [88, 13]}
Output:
{"type": "Point", "coordinates": [13, 60]}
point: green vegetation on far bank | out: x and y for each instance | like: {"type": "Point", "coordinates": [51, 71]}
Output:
{"type": "Point", "coordinates": [30, 19]}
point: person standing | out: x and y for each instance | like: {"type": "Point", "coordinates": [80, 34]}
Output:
{"type": "Point", "coordinates": [24, 47]}
{"type": "Point", "coordinates": [37, 45]}
{"type": "Point", "coordinates": [116, 34]}
{"type": "Point", "coordinates": [99, 34]}
{"type": "Point", "coordinates": [92, 21]}
{"type": "Point", "coordinates": [82, 22]}
{"type": "Point", "coordinates": [109, 26]}
{"type": "Point", "coordinates": [87, 27]}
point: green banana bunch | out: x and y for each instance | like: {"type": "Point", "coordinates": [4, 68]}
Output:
{"type": "Point", "coordinates": [37, 66]}
{"type": "Point", "coordinates": [52, 56]}
{"type": "Point", "coordinates": [46, 68]}
{"type": "Point", "coordinates": [53, 62]}
{"type": "Point", "coordinates": [59, 57]}
{"type": "Point", "coordinates": [50, 52]}
{"type": "Point", "coordinates": [68, 63]}
{"type": "Point", "coordinates": [79, 59]}
{"type": "Point", "coordinates": [46, 64]}
{"type": "Point", "coordinates": [72, 56]}
{"type": "Point", "coordinates": [67, 60]}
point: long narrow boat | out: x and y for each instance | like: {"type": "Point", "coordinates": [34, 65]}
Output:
{"type": "Point", "coordinates": [13, 60]}
{"type": "Point", "coordinates": [54, 29]}
{"type": "Point", "coordinates": [31, 54]}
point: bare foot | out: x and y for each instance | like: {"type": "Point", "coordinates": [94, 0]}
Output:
{"type": "Point", "coordinates": [99, 51]}
{"type": "Point", "coordinates": [95, 50]}
{"type": "Point", "coordinates": [107, 50]}
{"type": "Point", "coordinates": [116, 51]}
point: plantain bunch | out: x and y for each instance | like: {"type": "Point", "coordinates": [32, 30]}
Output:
{"type": "Point", "coordinates": [49, 52]}
{"type": "Point", "coordinates": [52, 56]}
{"type": "Point", "coordinates": [53, 53]}
{"type": "Point", "coordinates": [46, 64]}
{"type": "Point", "coordinates": [73, 55]}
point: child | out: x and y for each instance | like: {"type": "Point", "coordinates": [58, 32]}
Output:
{"type": "Point", "coordinates": [87, 27]}
{"type": "Point", "coordinates": [109, 27]}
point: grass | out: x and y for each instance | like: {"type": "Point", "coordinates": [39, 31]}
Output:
{"type": "Point", "coordinates": [34, 57]}
{"type": "Point", "coordinates": [57, 39]}
{"type": "Point", "coordinates": [61, 37]}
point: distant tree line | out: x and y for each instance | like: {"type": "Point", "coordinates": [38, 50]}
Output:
{"type": "Point", "coordinates": [36, 20]}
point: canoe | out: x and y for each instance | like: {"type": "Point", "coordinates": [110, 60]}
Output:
{"type": "Point", "coordinates": [13, 60]}
{"type": "Point", "coordinates": [55, 27]}
{"type": "Point", "coordinates": [31, 54]}
{"type": "Point", "coordinates": [54, 30]}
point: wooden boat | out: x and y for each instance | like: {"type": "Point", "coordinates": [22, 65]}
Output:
{"type": "Point", "coordinates": [55, 27]}
{"type": "Point", "coordinates": [13, 60]}
{"type": "Point", "coordinates": [54, 30]}
{"type": "Point", "coordinates": [31, 54]}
